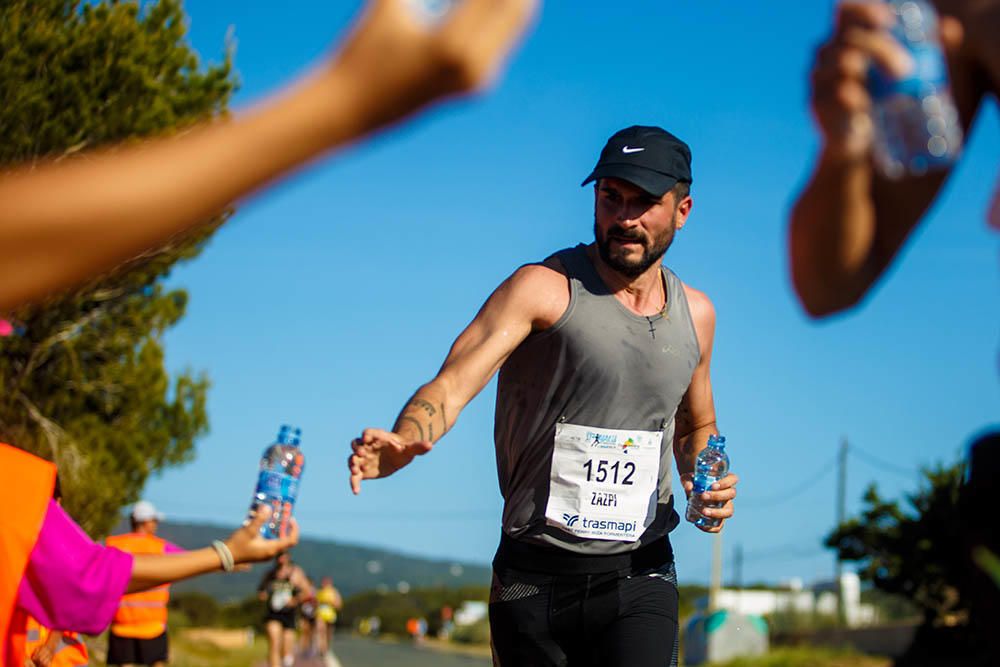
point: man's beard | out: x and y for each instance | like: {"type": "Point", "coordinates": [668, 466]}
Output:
{"type": "Point", "coordinates": [651, 253]}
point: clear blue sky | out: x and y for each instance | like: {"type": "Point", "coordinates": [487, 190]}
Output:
{"type": "Point", "coordinates": [327, 301]}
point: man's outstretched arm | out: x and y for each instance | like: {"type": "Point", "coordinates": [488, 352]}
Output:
{"type": "Point", "coordinates": [63, 223]}
{"type": "Point", "coordinates": [531, 299]}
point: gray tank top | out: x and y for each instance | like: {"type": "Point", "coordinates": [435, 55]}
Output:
{"type": "Point", "coordinates": [599, 365]}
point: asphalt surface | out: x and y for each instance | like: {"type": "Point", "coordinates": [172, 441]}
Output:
{"type": "Point", "coordinates": [358, 652]}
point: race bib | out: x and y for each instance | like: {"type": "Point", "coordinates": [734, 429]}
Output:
{"type": "Point", "coordinates": [280, 599]}
{"type": "Point", "coordinates": [603, 482]}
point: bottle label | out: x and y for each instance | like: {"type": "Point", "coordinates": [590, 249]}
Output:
{"type": "Point", "coordinates": [929, 76]}
{"type": "Point", "coordinates": [277, 485]}
{"type": "Point", "coordinates": [915, 30]}
{"type": "Point", "coordinates": [702, 483]}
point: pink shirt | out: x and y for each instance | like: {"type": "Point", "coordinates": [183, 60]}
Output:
{"type": "Point", "coordinates": [72, 583]}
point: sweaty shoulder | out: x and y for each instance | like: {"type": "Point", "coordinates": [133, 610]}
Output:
{"type": "Point", "coordinates": [540, 291]}
{"type": "Point", "coordinates": [702, 314]}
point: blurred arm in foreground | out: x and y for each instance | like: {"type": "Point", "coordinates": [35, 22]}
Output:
{"type": "Point", "coordinates": [62, 223]}
{"type": "Point", "coordinates": [849, 221]}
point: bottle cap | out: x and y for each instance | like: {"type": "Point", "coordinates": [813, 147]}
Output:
{"type": "Point", "coordinates": [717, 440]}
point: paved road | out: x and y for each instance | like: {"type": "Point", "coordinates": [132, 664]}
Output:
{"type": "Point", "coordinates": [357, 652]}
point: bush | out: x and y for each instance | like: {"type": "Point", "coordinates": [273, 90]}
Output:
{"type": "Point", "coordinates": [245, 613]}
{"type": "Point", "coordinates": [201, 610]}
{"type": "Point", "coordinates": [477, 633]}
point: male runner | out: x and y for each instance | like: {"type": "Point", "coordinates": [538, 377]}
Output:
{"type": "Point", "coordinates": [283, 588]}
{"type": "Point", "coordinates": [604, 381]}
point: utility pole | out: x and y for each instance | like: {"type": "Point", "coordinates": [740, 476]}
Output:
{"type": "Point", "coordinates": [738, 566]}
{"type": "Point", "coordinates": [716, 583]}
{"type": "Point", "coordinates": [841, 516]}
{"type": "Point", "coordinates": [738, 575]}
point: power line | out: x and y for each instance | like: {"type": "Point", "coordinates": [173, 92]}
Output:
{"type": "Point", "coordinates": [790, 551]}
{"type": "Point", "coordinates": [780, 498]}
{"type": "Point", "coordinates": [882, 464]}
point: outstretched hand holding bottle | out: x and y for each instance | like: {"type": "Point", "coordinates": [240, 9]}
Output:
{"type": "Point", "coordinates": [881, 52]}
{"type": "Point", "coordinates": [245, 545]}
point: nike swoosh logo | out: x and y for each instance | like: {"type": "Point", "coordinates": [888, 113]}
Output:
{"type": "Point", "coordinates": [626, 149]}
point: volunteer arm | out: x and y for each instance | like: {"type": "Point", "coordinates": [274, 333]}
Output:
{"type": "Point", "coordinates": [695, 419]}
{"type": "Point", "coordinates": [245, 544]}
{"type": "Point", "coordinates": [533, 298]}
{"type": "Point", "coordinates": [72, 583]}
{"type": "Point", "coordinates": [65, 221]}
{"type": "Point", "coordinates": [849, 222]}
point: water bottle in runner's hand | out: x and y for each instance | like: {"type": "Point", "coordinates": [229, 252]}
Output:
{"type": "Point", "coordinates": [711, 465]}
{"type": "Point", "coordinates": [917, 128]}
{"type": "Point", "coordinates": [278, 483]}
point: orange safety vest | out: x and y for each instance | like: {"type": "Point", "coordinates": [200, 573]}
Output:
{"type": "Point", "coordinates": [30, 480]}
{"type": "Point", "coordinates": [69, 652]}
{"type": "Point", "coordinates": [141, 615]}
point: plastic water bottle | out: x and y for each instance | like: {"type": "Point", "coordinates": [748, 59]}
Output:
{"type": "Point", "coordinates": [281, 469]}
{"type": "Point", "coordinates": [711, 465]}
{"type": "Point", "coordinates": [916, 124]}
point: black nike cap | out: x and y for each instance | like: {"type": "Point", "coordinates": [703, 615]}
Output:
{"type": "Point", "coordinates": [646, 156]}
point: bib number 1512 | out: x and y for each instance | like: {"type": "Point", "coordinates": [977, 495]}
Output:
{"type": "Point", "coordinates": [607, 472]}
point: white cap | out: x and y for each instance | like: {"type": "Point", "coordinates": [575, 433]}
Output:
{"type": "Point", "coordinates": [145, 511]}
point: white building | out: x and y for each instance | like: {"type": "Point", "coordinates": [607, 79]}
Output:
{"type": "Point", "coordinates": [470, 612]}
{"type": "Point", "coordinates": [820, 599]}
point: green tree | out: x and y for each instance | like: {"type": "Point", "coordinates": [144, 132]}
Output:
{"type": "Point", "coordinates": [915, 552]}
{"type": "Point", "coordinates": [200, 610]}
{"type": "Point", "coordinates": [248, 612]}
{"type": "Point", "coordinates": [83, 382]}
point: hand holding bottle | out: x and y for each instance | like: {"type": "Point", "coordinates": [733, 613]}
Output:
{"type": "Point", "coordinates": [247, 545]}
{"type": "Point", "coordinates": [711, 487]}
{"type": "Point", "coordinates": [862, 41]}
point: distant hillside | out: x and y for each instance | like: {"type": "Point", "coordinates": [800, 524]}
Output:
{"type": "Point", "coordinates": [353, 568]}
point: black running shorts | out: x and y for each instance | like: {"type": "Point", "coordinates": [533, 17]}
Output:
{"type": "Point", "coordinates": [135, 651]}
{"type": "Point", "coordinates": [287, 617]}
{"type": "Point", "coordinates": [626, 617]}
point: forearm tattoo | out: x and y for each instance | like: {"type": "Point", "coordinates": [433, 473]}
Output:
{"type": "Point", "coordinates": [421, 412]}
{"type": "Point", "coordinates": [424, 405]}
{"type": "Point", "coordinates": [410, 420]}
